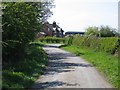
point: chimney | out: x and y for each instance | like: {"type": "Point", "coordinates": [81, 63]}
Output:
{"type": "Point", "coordinates": [54, 24]}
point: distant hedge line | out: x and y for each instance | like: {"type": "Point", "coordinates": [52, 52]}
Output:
{"type": "Point", "coordinates": [51, 40]}
{"type": "Point", "coordinates": [107, 44]}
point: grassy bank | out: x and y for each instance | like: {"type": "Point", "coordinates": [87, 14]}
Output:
{"type": "Point", "coordinates": [107, 64]}
{"type": "Point", "coordinates": [24, 73]}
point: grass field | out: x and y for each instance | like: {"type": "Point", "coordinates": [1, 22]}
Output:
{"type": "Point", "coordinates": [105, 63]}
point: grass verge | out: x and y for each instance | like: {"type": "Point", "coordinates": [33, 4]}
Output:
{"type": "Point", "coordinates": [21, 75]}
{"type": "Point", "coordinates": [107, 64]}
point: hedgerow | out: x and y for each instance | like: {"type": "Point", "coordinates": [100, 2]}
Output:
{"type": "Point", "coordinates": [106, 44]}
{"type": "Point", "coordinates": [51, 40]}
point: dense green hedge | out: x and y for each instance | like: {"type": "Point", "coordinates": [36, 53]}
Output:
{"type": "Point", "coordinates": [51, 40]}
{"type": "Point", "coordinates": [108, 44]}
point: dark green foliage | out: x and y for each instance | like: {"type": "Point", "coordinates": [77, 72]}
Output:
{"type": "Point", "coordinates": [106, 31]}
{"type": "Point", "coordinates": [12, 49]}
{"type": "Point", "coordinates": [22, 62]}
{"type": "Point", "coordinates": [20, 23]}
{"type": "Point", "coordinates": [25, 72]}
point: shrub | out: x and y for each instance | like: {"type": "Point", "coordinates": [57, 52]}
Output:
{"type": "Point", "coordinates": [23, 73]}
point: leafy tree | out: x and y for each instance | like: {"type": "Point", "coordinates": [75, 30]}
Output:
{"type": "Point", "coordinates": [106, 31]}
{"type": "Point", "coordinates": [44, 9]}
{"type": "Point", "coordinates": [90, 31]}
{"type": "Point", "coordinates": [103, 31]}
{"type": "Point", "coordinates": [20, 23]}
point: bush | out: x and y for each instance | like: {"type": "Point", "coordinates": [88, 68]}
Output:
{"type": "Point", "coordinates": [12, 49]}
{"type": "Point", "coordinates": [23, 73]}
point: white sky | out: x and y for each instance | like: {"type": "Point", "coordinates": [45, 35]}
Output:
{"type": "Point", "coordinates": [76, 15]}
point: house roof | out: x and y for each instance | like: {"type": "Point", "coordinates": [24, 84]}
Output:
{"type": "Point", "coordinates": [53, 28]}
{"type": "Point", "coordinates": [72, 32]}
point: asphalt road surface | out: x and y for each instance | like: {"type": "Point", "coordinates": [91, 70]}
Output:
{"type": "Point", "coordinates": [65, 70]}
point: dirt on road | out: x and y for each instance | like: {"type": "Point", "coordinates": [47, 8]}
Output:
{"type": "Point", "coordinates": [65, 70]}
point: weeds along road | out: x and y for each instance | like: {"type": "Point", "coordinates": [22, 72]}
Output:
{"type": "Point", "coordinates": [66, 70]}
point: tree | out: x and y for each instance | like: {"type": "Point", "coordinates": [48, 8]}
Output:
{"type": "Point", "coordinates": [103, 31]}
{"type": "Point", "coordinates": [106, 31]}
{"type": "Point", "coordinates": [92, 31]}
{"type": "Point", "coordinates": [20, 23]}
{"type": "Point", "coordinates": [44, 9]}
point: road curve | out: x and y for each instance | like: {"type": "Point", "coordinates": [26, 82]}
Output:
{"type": "Point", "coordinates": [65, 70]}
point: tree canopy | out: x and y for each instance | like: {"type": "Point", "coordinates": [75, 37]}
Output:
{"type": "Point", "coordinates": [102, 31]}
{"type": "Point", "coordinates": [92, 31]}
{"type": "Point", "coordinates": [20, 23]}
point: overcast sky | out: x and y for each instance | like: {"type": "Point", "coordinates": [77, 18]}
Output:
{"type": "Point", "coordinates": [76, 15]}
